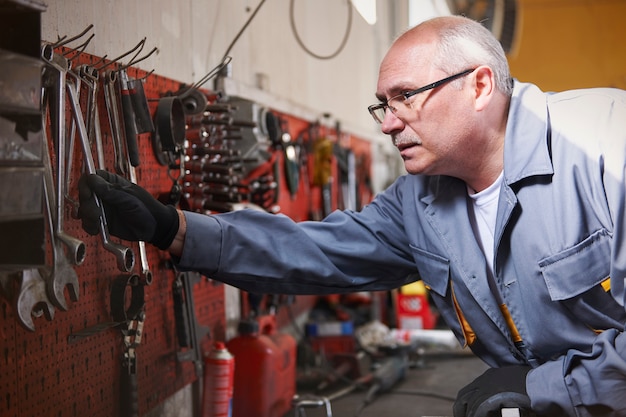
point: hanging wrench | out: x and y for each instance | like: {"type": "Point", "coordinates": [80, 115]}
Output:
{"type": "Point", "coordinates": [124, 255]}
{"type": "Point", "coordinates": [62, 274]}
{"type": "Point", "coordinates": [89, 75]}
{"type": "Point", "coordinates": [130, 133]}
{"type": "Point", "coordinates": [55, 77]}
{"type": "Point", "coordinates": [32, 299]}
{"type": "Point", "coordinates": [143, 255]}
{"type": "Point", "coordinates": [110, 98]}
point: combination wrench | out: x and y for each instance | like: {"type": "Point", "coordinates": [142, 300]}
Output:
{"type": "Point", "coordinates": [55, 77]}
{"type": "Point", "coordinates": [130, 132]}
{"type": "Point", "coordinates": [62, 275]}
{"type": "Point", "coordinates": [123, 254]}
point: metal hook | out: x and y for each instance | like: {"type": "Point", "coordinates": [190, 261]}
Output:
{"type": "Point", "coordinates": [64, 40]}
{"type": "Point", "coordinates": [225, 61]}
{"type": "Point", "coordinates": [136, 60]}
{"type": "Point", "coordinates": [79, 49]}
{"type": "Point", "coordinates": [125, 54]}
{"type": "Point", "coordinates": [101, 60]}
{"type": "Point", "coordinates": [147, 75]}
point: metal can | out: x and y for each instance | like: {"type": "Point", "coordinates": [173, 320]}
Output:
{"type": "Point", "coordinates": [219, 372]}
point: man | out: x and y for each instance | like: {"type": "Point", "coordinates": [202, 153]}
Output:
{"type": "Point", "coordinates": [513, 215]}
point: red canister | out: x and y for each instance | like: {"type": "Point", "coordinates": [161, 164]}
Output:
{"type": "Point", "coordinates": [265, 377]}
{"type": "Point", "coordinates": [219, 372]}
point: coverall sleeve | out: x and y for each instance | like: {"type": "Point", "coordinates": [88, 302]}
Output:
{"type": "Point", "coordinates": [261, 252]}
{"type": "Point", "coordinates": [583, 384]}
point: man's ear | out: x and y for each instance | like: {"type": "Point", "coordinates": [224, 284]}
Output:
{"type": "Point", "coordinates": [484, 87]}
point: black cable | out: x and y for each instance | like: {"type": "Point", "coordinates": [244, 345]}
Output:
{"type": "Point", "coordinates": [344, 41]}
{"type": "Point", "coordinates": [243, 29]}
{"type": "Point", "coordinates": [424, 394]}
{"type": "Point", "coordinates": [374, 389]}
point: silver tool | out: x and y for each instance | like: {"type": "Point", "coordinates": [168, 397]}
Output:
{"type": "Point", "coordinates": [123, 254]}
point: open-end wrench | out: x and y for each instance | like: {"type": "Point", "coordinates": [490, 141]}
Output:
{"type": "Point", "coordinates": [62, 275]}
{"type": "Point", "coordinates": [123, 254]}
{"type": "Point", "coordinates": [32, 299]}
{"type": "Point", "coordinates": [55, 77]}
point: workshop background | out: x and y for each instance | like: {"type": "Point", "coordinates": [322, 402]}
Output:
{"type": "Point", "coordinates": [213, 106]}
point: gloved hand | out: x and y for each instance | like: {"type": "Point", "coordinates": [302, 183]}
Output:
{"type": "Point", "coordinates": [495, 389]}
{"type": "Point", "coordinates": [131, 211]}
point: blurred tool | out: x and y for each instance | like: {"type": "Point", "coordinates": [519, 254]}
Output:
{"type": "Point", "coordinates": [391, 371]}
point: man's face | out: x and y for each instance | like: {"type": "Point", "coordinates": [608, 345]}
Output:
{"type": "Point", "coordinates": [427, 128]}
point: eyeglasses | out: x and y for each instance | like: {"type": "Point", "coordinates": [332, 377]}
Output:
{"type": "Point", "coordinates": [397, 103]}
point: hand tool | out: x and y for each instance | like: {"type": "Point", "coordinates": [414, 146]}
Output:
{"type": "Point", "coordinates": [391, 371]}
{"type": "Point", "coordinates": [141, 108]}
{"type": "Point", "coordinates": [111, 105]}
{"type": "Point", "coordinates": [55, 77]}
{"type": "Point", "coordinates": [128, 118]}
{"type": "Point", "coordinates": [170, 123]}
{"type": "Point", "coordinates": [189, 331]}
{"type": "Point", "coordinates": [62, 275]}
{"type": "Point", "coordinates": [90, 77]}
{"type": "Point", "coordinates": [129, 392]}
{"type": "Point", "coordinates": [123, 309]}
{"type": "Point", "coordinates": [130, 132]}
{"type": "Point", "coordinates": [146, 274]}
{"type": "Point", "coordinates": [32, 299]}
{"type": "Point", "coordinates": [124, 255]}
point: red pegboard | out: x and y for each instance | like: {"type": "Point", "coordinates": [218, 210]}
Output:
{"type": "Point", "coordinates": [45, 375]}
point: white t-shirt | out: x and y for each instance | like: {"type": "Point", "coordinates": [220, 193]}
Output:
{"type": "Point", "coordinates": [483, 212]}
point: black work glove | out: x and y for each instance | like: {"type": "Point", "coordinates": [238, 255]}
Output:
{"type": "Point", "coordinates": [131, 211]}
{"type": "Point", "coordinates": [495, 389]}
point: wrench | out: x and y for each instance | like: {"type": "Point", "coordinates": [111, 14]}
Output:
{"type": "Point", "coordinates": [62, 275]}
{"type": "Point", "coordinates": [130, 132]}
{"type": "Point", "coordinates": [90, 77]}
{"type": "Point", "coordinates": [32, 299]}
{"type": "Point", "coordinates": [143, 255]}
{"type": "Point", "coordinates": [110, 98]}
{"type": "Point", "coordinates": [124, 255]}
{"type": "Point", "coordinates": [55, 76]}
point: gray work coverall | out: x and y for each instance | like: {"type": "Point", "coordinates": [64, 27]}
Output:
{"type": "Point", "coordinates": [560, 250]}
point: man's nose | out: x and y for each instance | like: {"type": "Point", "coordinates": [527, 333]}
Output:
{"type": "Point", "coordinates": [391, 123]}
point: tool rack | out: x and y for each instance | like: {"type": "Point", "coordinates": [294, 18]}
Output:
{"type": "Point", "coordinates": [49, 372]}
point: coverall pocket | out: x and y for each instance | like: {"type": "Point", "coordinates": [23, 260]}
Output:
{"type": "Point", "coordinates": [434, 270]}
{"type": "Point", "coordinates": [578, 277]}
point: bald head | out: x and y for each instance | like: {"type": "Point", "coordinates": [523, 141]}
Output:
{"type": "Point", "coordinates": [449, 44]}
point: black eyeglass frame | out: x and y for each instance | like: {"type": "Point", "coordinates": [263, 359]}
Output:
{"type": "Point", "coordinates": [409, 94]}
